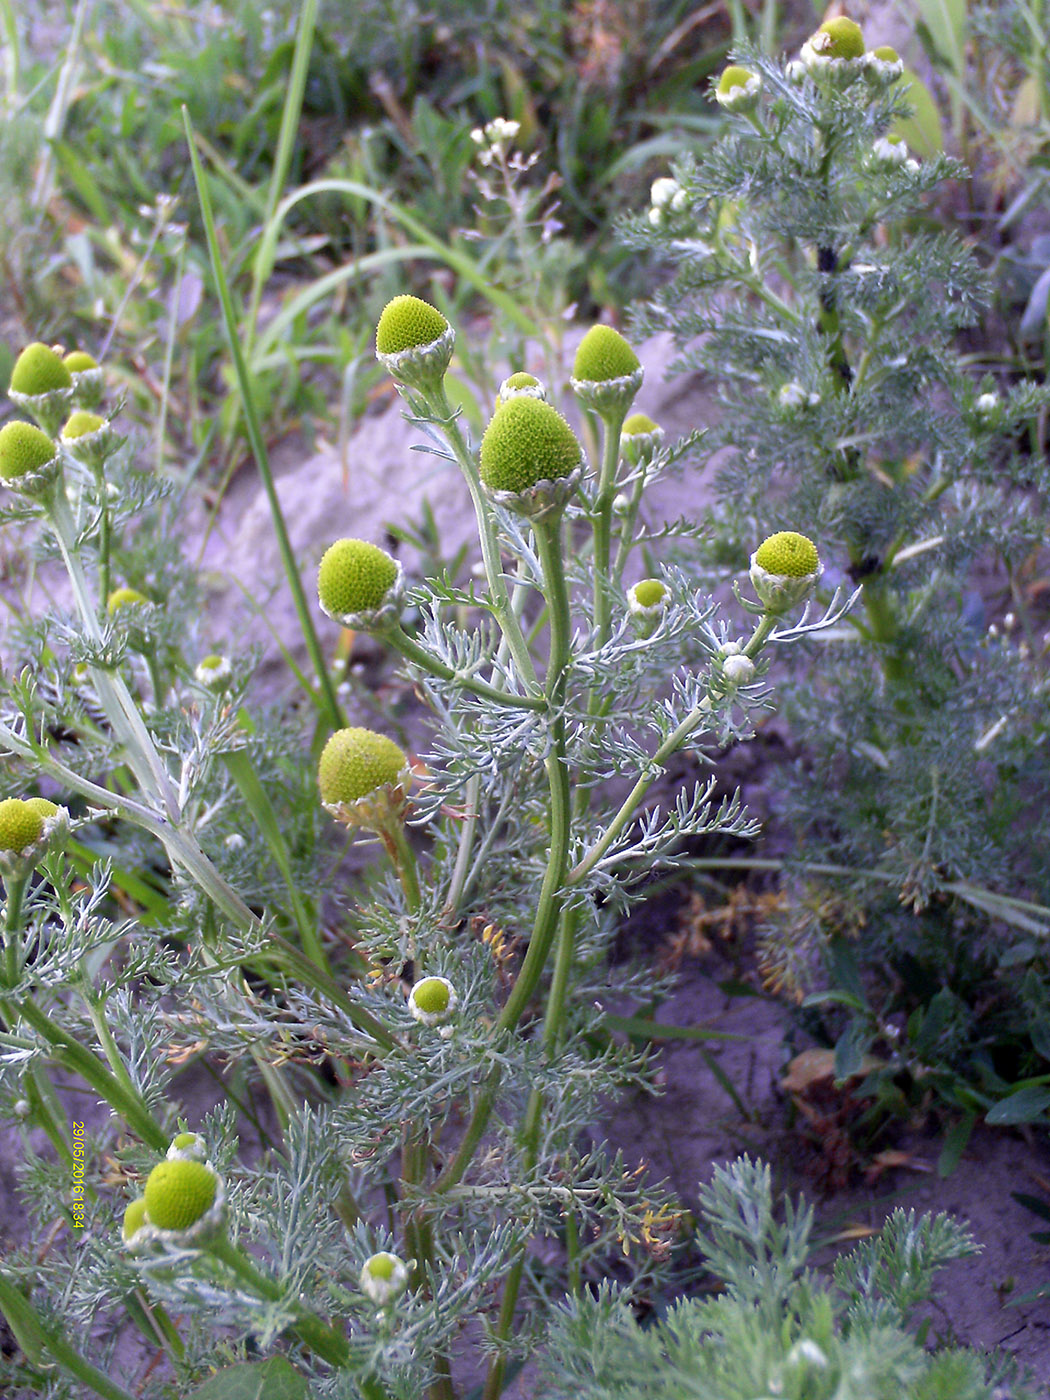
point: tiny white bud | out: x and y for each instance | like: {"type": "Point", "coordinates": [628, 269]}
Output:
{"type": "Point", "coordinates": [656, 216]}
{"type": "Point", "coordinates": [663, 191]}
{"type": "Point", "coordinates": [738, 670]}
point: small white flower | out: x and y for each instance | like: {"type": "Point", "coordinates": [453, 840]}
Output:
{"type": "Point", "coordinates": [793, 396]}
{"type": "Point", "coordinates": [807, 1350]}
{"type": "Point", "coordinates": [986, 405]}
{"type": "Point", "coordinates": [235, 842]}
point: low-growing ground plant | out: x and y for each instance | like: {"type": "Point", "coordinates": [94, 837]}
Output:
{"type": "Point", "coordinates": [806, 277]}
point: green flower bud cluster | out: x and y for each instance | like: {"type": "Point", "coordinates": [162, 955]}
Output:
{"type": "Point", "coordinates": [363, 778]}
{"type": "Point", "coordinates": [361, 586]}
{"type": "Point", "coordinates": [531, 460]}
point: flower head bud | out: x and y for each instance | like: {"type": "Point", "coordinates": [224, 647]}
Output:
{"type": "Point", "coordinates": [359, 585]}
{"type": "Point", "coordinates": [988, 408]}
{"type": "Point", "coordinates": [606, 373]}
{"type": "Point", "coordinates": [89, 438]}
{"type": "Point", "coordinates": [28, 830]}
{"type": "Point", "coordinates": [28, 460]}
{"type": "Point", "coordinates": [647, 603]}
{"type": "Point", "coordinates": [185, 1203]}
{"type": "Point", "coordinates": [134, 1218]}
{"type": "Point", "coordinates": [784, 570]}
{"type": "Point", "coordinates": [42, 385]}
{"type": "Point", "coordinates": [521, 385]}
{"type": "Point", "coordinates": [88, 379]}
{"type": "Point", "coordinates": [384, 1277]}
{"type": "Point", "coordinates": [891, 151]}
{"type": "Point", "coordinates": [213, 671]}
{"type": "Point", "coordinates": [432, 1000]}
{"type": "Point", "coordinates": [414, 343]}
{"type": "Point", "coordinates": [364, 778]}
{"type": "Point", "coordinates": [663, 192]}
{"type": "Point", "coordinates": [793, 397]}
{"type": "Point", "coordinates": [39, 370]}
{"type": "Point", "coordinates": [179, 1191]}
{"type": "Point", "coordinates": [883, 66]}
{"type": "Point", "coordinates": [640, 439]}
{"type": "Point", "coordinates": [836, 51]}
{"type": "Point", "coordinates": [190, 1147]}
{"type": "Point", "coordinates": [738, 89]}
{"type": "Point", "coordinates": [738, 670]}
{"type": "Point", "coordinates": [79, 362]}
{"type": "Point", "coordinates": [530, 460]}
{"type": "Point", "coordinates": [125, 598]}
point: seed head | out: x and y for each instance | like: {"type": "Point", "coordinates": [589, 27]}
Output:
{"type": "Point", "coordinates": [179, 1192]}
{"type": "Point", "coordinates": [23, 449]}
{"type": "Point", "coordinates": [38, 370]}
{"type": "Point", "coordinates": [355, 762]}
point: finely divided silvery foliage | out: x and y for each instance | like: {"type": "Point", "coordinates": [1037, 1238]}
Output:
{"type": "Point", "coordinates": [421, 1088]}
{"type": "Point", "coordinates": [779, 1328]}
{"type": "Point", "coordinates": [807, 276]}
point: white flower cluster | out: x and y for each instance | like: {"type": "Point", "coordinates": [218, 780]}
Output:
{"type": "Point", "coordinates": [494, 137]}
{"type": "Point", "coordinates": [892, 150]}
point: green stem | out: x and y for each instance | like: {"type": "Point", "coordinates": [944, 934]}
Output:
{"type": "Point", "coordinates": [245, 384]}
{"type": "Point", "coordinates": [14, 887]}
{"type": "Point", "coordinates": [504, 613]}
{"type": "Point", "coordinates": [412, 651]}
{"type": "Point", "coordinates": [603, 505]}
{"type": "Point", "coordinates": [40, 1342]}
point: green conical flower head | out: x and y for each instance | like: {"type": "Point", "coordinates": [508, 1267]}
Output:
{"type": "Point", "coordinates": [79, 361]}
{"type": "Point", "coordinates": [134, 1217]}
{"type": "Point", "coordinates": [43, 806]}
{"type": "Point", "coordinates": [521, 379]}
{"type": "Point", "coordinates": [383, 1265]}
{"type": "Point", "coordinates": [23, 449]}
{"type": "Point", "coordinates": [38, 370]}
{"type": "Point", "coordinates": [179, 1192]}
{"type": "Point", "coordinates": [788, 554]}
{"type": "Point", "coordinates": [184, 1140]}
{"type": "Point", "coordinates": [82, 423]}
{"type": "Point", "coordinates": [845, 39]}
{"type": "Point", "coordinates": [355, 762]}
{"type": "Point", "coordinates": [604, 354]}
{"type": "Point", "coordinates": [354, 577]}
{"type": "Point", "coordinates": [20, 825]}
{"type": "Point", "coordinates": [407, 323]}
{"type": "Point", "coordinates": [123, 598]}
{"type": "Point", "coordinates": [431, 995]}
{"type": "Point", "coordinates": [527, 441]}
{"type": "Point", "coordinates": [887, 54]}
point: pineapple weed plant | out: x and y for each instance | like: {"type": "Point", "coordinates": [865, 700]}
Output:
{"type": "Point", "coordinates": [385, 1229]}
{"type": "Point", "coordinates": [802, 274]}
